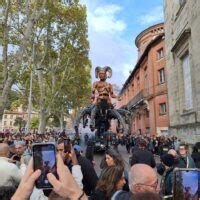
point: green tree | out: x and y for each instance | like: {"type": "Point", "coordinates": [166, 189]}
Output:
{"type": "Point", "coordinates": [20, 123]}
{"type": "Point", "coordinates": [17, 21]}
{"type": "Point", "coordinates": [65, 59]}
{"type": "Point", "coordinates": [50, 39]}
{"type": "Point", "coordinates": [34, 123]}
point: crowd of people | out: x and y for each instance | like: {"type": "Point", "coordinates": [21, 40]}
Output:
{"type": "Point", "coordinates": [149, 176]}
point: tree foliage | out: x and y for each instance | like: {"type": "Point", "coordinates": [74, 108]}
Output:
{"type": "Point", "coordinates": [34, 123]}
{"type": "Point", "coordinates": [19, 122]}
{"type": "Point", "coordinates": [50, 39]}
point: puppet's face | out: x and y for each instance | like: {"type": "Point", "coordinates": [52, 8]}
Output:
{"type": "Point", "coordinates": [102, 75]}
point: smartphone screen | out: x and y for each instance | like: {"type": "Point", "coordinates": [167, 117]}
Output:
{"type": "Point", "coordinates": [187, 185]}
{"type": "Point", "coordinates": [44, 158]}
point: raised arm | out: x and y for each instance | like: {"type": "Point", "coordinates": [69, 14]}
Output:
{"type": "Point", "coordinates": [93, 90]}
{"type": "Point", "coordinates": [113, 95]}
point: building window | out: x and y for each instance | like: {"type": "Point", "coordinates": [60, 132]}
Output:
{"type": "Point", "coordinates": [11, 123]}
{"type": "Point", "coordinates": [163, 109]}
{"type": "Point", "coordinates": [160, 54]}
{"type": "Point", "coordinates": [5, 123]}
{"type": "Point", "coordinates": [5, 116]}
{"type": "Point", "coordinates": [138, 82]}
{"type": "Point", "coordinates": [147, 130]}
{"type": "Point", "coordinates": [133, 88]}
{"type": "Point", "coordinates": [187, 81]}
{"type": "Point", "coordinates": [11, 116]}
{"type": "Point", "coordinates": [161, 76]}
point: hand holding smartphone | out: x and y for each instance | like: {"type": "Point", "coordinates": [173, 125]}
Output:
{"type": "Point", "coordinates": [65, 186]}
{"type": "Point", "coordinates": [44, 158]}
{"type": "Point", "coordinates": [186, 184]}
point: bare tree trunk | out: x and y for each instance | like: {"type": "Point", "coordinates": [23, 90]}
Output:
{"type": "Point", "coordinates": [42, 122]}
{"type": "Point", "coordinates": [61, 119]}
{"type": "Point", "coordinates": [5, 43]}
{"type": "Point", "coordinates": [43, 111]}
{"type": "Point", "coordinates": [4, 76]}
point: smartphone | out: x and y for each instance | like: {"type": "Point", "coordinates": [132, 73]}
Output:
{"type": "Point", "coordinates": [67, 146]}
{"type": "Point", "coordinates": [186, 184]}
{"type": "Point", "coordinates": [44, 158]}
{"type": "Point", "coordinates": [16, 157]}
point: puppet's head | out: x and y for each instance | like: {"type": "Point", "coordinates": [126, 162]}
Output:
{"type": "Point", "coordinates": [103, 73]}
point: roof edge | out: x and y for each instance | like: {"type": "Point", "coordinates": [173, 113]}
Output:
{"type": "Point", "coordinates": [146, 30]}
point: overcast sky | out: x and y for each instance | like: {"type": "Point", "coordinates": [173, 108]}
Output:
{"type": "Point", "coordinates": [113, 26]}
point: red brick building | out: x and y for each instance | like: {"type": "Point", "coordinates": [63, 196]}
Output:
{"type": "Point", "coordinates": [145, 91]}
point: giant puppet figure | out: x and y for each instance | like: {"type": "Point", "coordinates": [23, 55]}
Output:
{"type": "Point", "coordinates": [101, 110]}
{"type": "Point", "coordinates": [102, 91]}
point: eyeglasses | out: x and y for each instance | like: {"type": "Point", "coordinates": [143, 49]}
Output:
{"type": "Point", "coordinates": [154, 185]}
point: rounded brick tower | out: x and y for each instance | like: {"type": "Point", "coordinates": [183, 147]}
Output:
{"type": "Point", "coordinates": [146, 36]}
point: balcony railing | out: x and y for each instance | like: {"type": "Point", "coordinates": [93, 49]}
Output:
{"type": "Point", "coordinates": [136, 100]}
{"type": "Point", "coordinates": [146, 94]}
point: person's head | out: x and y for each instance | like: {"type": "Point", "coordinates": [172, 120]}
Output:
{"type": "Point", "coordinates": [4, 150]}
{"type": "Point", "coordinates": [183, 149]}
{"type": "Point", "coordinates": [113, 158]}
{"type": "Point", "coordinates": [19, 147]}
{"type": "Point", "coordinates": [12, 148]}
{"type": "Point", "coordinates": [111, 180]}
{"type": "Point", "coordinates": [77, 149]}
{"type": "Point", "coordinates": [196, 148]}
{"type": "Point", "coordinates": [146, 196]}
{"type": "Point", "coordinates": [167, 160]}
{"type": "Point", "coordinates": [27, 137]}
{"type": "Point", "coordinates": [172, 152]}
{"type": "Point", "coordinates": [143, 179]}
{"type": "Point", "coordinates": [142, 143]}
{"type": "Point", "coordinates": [61, 148]}
{"type": "Point", "coordinates": [102, 75]}
{"type": "Point", "coordinates": [6, 192]}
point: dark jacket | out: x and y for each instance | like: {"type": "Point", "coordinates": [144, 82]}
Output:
{"type": "Point", "coordinates": [89, 151]}
{"type": "Point", "coordinates": [196, 158]}
{"type": "Point", "coordinates": [167, 182]}
{"type": "Point", "coordinates": [90, 177]}
{"type": "Point", "coordinates": [186, 162]}
{"type": "Point", "coordinates": [99, 195]}
{"type": "Point", "coordinates": [143, 156]}
{"type": "Point", "coordinates": [122, 195]}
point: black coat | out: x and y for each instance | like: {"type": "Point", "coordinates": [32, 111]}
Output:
{"type": "Point", "coordinates": [123, 195]}
{"type": "Point", "coordinates": [142, 156]}
{"type": "Point", "coordinates": [90, 177]}
{"type": "Point", "coordinates": [99, 195]}
{"type": "Point", "coordinates": [196, 158]}
{"type": "Point", "coordinates": [167, 182]}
